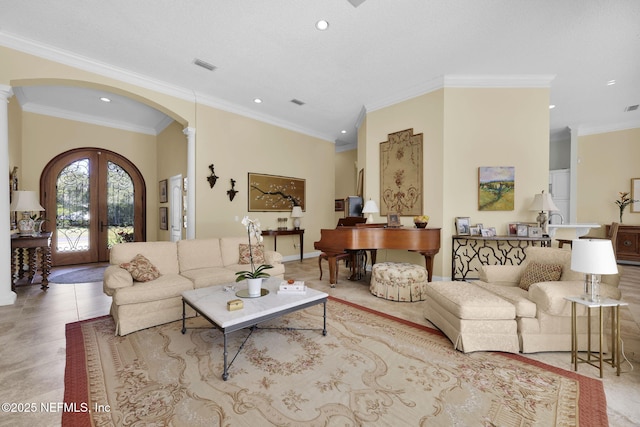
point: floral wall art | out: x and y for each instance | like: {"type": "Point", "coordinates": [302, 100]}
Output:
{"type": "Point", "coordinates": [401, 174]}
{"type": "Point", "coordinates": [272, 193]}
{"type": "Point", "coordinates": [496, 188]}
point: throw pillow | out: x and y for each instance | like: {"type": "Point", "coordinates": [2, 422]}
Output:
{"type": "Point", "coordinates": [257, 251]}
{"type": "Point", "coordinates": [535, 272]}
{"type": "Point", "coordinates": [141, 269]}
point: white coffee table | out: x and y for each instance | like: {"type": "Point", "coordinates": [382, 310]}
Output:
{"type": "Point", "coordinates": [211, 303]}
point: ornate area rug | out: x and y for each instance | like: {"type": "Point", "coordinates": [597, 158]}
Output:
{"type": "Point", "coordinates": [371, 369]}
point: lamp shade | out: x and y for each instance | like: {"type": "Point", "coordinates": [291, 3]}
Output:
{"type": "Point", "coordinates": [370, 207]}
{"type": "Point", "coordinates": [593, 256]}
{"type": "Point", "coordinates": [543, 202]}
{"type": "Point", "coordinates": [25, 201]}
{"type": "Point", "coordinates": [296, 212]}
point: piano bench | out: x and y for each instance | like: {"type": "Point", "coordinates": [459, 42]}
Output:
{"type": "Point", "coordinates": [399, 281]}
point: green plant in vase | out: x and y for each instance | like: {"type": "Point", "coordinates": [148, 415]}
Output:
{"type": "Point", "coordinates": [623, 202]}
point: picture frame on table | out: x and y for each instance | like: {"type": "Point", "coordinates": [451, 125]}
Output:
{"type": "Point", "coordinates": [535, 232]}
{"type": "Point", "coordinates": [475, 231]}
{"type": "Point", "coordinates": [463, 225]}
{"type": "Point", "coordinates": [522, 230]}
{"type": "Point", "coordinates": [339, 205]}
{"type": "Point", "coordinates": [393, 220]}
{"type": "Point", "coordinates": [512, 229]}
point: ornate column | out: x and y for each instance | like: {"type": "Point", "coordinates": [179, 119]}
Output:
{"type": "Point", "coordinates": [7, 296]}
{"type": "Point", "coordinates": [191, 181]}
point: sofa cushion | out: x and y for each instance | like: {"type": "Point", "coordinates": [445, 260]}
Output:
{"type": "Point", "coordinates": [141, 269]}
{"type": "Point", "coordinates": [165, 286]}
{"type": "Point", "coordinates": [229, 248]}
{"type": "Point", "coordinates": [164, 255]}
{"type": "Point", "coordinates": [257, 251]}
{"type": "Point", "coordinates": [536, 272]}
{"type": "Point", "coordinates": [199, 253]}
{"type": "Point", "coordinates": [203, 277]}
{"type": "Point", "coordinates": [544, 255]}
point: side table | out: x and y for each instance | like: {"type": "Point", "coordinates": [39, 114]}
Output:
{"type": "Point", "coordinates": [276, 233]}
{"type": "Point", "coordinates": [34, 251]}
{"type": "Point", "coordinates": [591, 358]}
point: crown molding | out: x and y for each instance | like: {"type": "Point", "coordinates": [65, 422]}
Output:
{"type": "Point", "coordinates": [84, 63]}
{"type": "Point", "coordinates": [615, 127]}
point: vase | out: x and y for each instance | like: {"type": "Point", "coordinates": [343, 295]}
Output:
{"type": "Point", "coordinates": [421, 224]}
{"type": "Point", "coordinates": [254, 286]}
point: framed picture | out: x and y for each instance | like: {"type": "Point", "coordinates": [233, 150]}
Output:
{"type": "Point", "coordinates": [393, 220]}
{"type": "Point", "coordinates": [486, 232]}
{"type": "Point", "coordinates": [463, 226]}
{"type": "Point", "coordinates": [535, 232]}
{"type": "Point", "coordinates": [496, 188]}
{"type": "Point", "coordinates": [512, 229]}
{"type": "Point", "coordinates": [522, 230]}
{"type": "Point", "coordinates": [401, 174]}
{"type": "Point", "coordinates": [162, 188]}
{"type": "Point", "coordinates": [339, 205]}
{"type": "Point", "coordinates": [475, 231]}
{"type": "Point", "coordinates": [164, 218]}
{"type": "Point", "coordinates": [635, 194]}
{"type": "Point", "coordinates": [273, 193]}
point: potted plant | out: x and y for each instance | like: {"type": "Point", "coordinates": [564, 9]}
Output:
{"type": "Point", "coordinates": [421, 221]}
{"type": "Point", "coordinates": [256, 274]}
{"type": "Point", "coordinates": [623, 202]}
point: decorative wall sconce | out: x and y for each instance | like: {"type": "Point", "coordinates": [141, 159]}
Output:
{"type": "Point", "coordinates": [232, 193]}
{"type": "Point", "coordinates": [212, 178]}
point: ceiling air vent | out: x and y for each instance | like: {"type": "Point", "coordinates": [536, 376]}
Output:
{"type": "Point", "coordinates": [631, 108]}
{"type": "Point", "coordinates": [297, 101]}
{"type": "Point", "coordinates": [204, 64]}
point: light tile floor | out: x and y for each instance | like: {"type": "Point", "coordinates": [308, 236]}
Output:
{"type": "Point", "coordinates": [32, 340]}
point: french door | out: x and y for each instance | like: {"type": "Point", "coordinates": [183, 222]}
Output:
{"type": "Point", "coordinates": [94, 199]}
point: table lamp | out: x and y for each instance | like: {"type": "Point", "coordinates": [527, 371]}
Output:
{"type": "Point", "coordinates": [370, 208]}
{"type": "Point", "coordinates": [593, 257]}
{"type": "Point", "coordinates": [543, 202]}
{"type": "Point", "coordinates": [296, 214]}
{"type": "Point", "coordinates": [25, 202]}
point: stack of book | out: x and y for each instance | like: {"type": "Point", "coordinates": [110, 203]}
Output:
{"type": "Point", "coordinates": [296, 288]}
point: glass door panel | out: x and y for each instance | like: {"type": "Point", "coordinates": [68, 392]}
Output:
{"type": "Point", "coordinates": [120, 206]}
{"type": "Point", "coordinates": [72, 208]}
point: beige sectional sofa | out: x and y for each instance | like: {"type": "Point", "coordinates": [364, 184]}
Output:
{"type": "Point", "coordinates": [183, 265]}
{"type": "Point", "coordinates": [541, 316]}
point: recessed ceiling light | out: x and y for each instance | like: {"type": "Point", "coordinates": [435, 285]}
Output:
{"type": "Point", "coordinates": [552, 106]}
{"type": "Point", "coordinates": [611, 82]}
{"type": "Point", "coordinates": [322, 25]}
{"type": "Point", "coordinates": [104, 99]}
{"type": "Point", "coordinates": [343, 131]}
{"type": "Point", "coordinates": [258, 101]}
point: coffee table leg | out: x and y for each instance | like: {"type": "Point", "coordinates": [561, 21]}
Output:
{"type": "Point", "coordinates": [184, 315]}
{"type": "Point", "coordinates": [225, 374]}
{"type": "Point", "coordinates": [324, 328]}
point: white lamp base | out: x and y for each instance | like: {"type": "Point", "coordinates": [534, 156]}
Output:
{"type": "Point", "coordinates": [296, 223]}
{"type": "Point", "coordinates": [370, 219]}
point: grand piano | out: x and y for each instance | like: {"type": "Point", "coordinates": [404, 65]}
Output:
{"type": "Point", "coordinates": [333, 242]}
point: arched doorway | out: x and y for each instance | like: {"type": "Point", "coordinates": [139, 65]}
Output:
{"type": "Point", "coordinates": [94, 198]}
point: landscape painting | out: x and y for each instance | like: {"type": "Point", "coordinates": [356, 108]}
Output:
{"type": "Point", "coordinates": [496, 188]}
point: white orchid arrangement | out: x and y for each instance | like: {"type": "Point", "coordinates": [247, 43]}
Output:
{"type": "Point", "coordinates": [253, 230]}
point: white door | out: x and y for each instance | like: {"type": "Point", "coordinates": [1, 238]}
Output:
{"type": "Point", "coordinates": [175, 207]}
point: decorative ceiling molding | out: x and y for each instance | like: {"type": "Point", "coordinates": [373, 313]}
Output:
{"type": "Point", "coordinates": [106, 70]}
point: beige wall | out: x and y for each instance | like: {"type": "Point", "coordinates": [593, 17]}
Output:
{"type": "Point", "coordinates": [45, 137]}
{"type": "Point", "coordinates": [606, 164]}
{"type": "Point", "coordinates": [464, 129]}
{"type": "Point", "coordinates": [235, 144]}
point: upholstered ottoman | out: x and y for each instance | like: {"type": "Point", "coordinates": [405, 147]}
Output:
{"type": "Point", "coordinates": [398, 281]}
{"type": "Point", "coordinates": [473, 318]}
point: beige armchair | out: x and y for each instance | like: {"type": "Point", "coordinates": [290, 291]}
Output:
{"type": "Point", "coordinates": [543, 316]}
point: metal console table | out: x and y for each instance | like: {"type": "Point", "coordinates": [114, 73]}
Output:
{"type": "Point", "coordinates": [469, 253]}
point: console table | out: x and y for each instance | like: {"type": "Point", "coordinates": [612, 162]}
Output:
{"type": "Point", "coordinates": [276, 233]}
{"type": "Point", "coordinates": [628, 242]}
{"type": "Point", "coordinates": [34, 251]}
{"type": "Point", "coordinates": [469, 253]}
